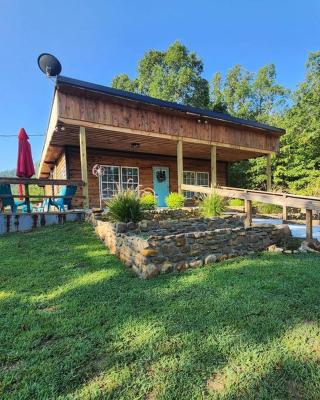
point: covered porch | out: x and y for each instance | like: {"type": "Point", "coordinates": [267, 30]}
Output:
{"type": "Point", "coordinates": [76, 150]}
{"type": "Point", "coordinates": [135, 135]}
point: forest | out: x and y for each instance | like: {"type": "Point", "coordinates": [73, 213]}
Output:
{"type": "Point", "coordinates": [177, 75]}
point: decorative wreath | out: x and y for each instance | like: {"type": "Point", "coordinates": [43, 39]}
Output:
{"type": "Point", "coordinates": [96, 170]}
{"type": "Point", "coordinates": [161, 176]}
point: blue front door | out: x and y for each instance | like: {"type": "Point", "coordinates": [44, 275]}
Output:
{"type": "Point", "coordinates": [161, 184]}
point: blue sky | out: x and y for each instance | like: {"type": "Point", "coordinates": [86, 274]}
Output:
{"type": "Point", "coordinates": [96, 40]}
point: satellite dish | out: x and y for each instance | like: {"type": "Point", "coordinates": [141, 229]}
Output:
{"type": "Point", "coordinates": [49, 64]}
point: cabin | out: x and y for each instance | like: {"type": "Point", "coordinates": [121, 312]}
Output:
{"type": "Point", "coordinates": [115, 140]}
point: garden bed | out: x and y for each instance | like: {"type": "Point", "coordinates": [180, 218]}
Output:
{"type": "Point", "coordinates": [153, 247]}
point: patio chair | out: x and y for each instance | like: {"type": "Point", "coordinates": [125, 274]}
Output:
{"type": "Point", "coordinates": [61, 202]}
{"type": "Point", "coordinates": [5, 189]}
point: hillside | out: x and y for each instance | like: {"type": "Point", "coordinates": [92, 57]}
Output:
{"type": "Point", "coordinates": [8, 172]}
{"type": "Point", "coordinates": [12, 172]}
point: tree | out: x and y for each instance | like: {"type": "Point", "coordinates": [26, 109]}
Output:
{"type": "Point", "coordinates": [298, 164]}
{"type": "Point", "coordinates": [237, 91]}
{"type": "Point", "coordinates": [173, 75]}
{"type": "Point", "coordinates": [267, 96]}
{"type": "Point", "coordinates": [123, 82]}
{"type": "Point", "coordinates": [252, 96]}
{"type": "Point", "coordinates": [248, 95]}
{"type": "Point", "coordinates": [233, 94]}
{"type": "Point", "coordinates": [217, 99]}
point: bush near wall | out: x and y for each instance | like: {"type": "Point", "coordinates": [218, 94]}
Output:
{"type": "Point", "coordinates": [175, 200]}
{"type": "Point", "coordinates": [148, 201]}
{"type": "Point", "coordinates": [212, 205]}
{"type": "Point", "coordinates": [125, 207]}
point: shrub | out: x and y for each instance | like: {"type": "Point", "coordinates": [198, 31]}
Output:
{"type": "Point", "coordinates": [175, 200]}
{"type": "Point", "coordinates": [236, 202]}
{"type": "Point", "coordinates": [264, 208]}
{"type": "Point", "coordinates": [312, 189]}
{"type": "Point", "coordinates": [212, 205]}
{"type": "Point", "coordinates": [148, 201]}
{"type": "Point", "coordinates": [125, 207]}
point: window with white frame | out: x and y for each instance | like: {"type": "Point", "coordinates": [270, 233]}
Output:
{"type": "Point", "coordinates": [202, 179]}
{"type": "Point", "coordinates": [129, 178]}
{"type": "Point", "coordinates": [115, 178]}
{"type": "Point", "coordinates": [194, 178]}
{"type": "Point", "coordinates": [189, 178]}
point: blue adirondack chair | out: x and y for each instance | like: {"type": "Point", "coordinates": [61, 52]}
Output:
{"type": "Point", "coordinates": [60, 203]}
{"type": "Point", "coordinates": [5, 189]}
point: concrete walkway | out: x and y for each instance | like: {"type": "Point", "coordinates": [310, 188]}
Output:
{"type": "Point", "coordinates": [297, 230]}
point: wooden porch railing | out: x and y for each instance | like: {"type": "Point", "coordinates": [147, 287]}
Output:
{"type": "Point", "coordinates": [38, 182]}
{"type": "Point", "coordinates": [282, 199]}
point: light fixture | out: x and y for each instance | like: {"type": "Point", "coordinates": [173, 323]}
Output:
{"type": "Point", "coordinates": [135, 145]}
{"type": "Point", "coordinates": [59, 128]}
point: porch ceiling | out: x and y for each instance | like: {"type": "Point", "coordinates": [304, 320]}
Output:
{"type": "Point", "coordinates": [68, 135]}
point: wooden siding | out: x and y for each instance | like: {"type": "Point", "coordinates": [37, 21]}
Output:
{"type": "Point", "coordinates": [134, 117]}
{"type": "Point", "coordinates": [59, 172]}
{"type": "Point", "coordinates": [115, 124]}
{"type": "Point", "coordinates": [143, 161]}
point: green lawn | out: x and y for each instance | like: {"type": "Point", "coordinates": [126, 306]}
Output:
{"type": "Point", "coordinates": [76, 324]}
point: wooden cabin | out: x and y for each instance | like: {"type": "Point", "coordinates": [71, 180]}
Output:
{"type": "Point", "coordinates": [113, 140]}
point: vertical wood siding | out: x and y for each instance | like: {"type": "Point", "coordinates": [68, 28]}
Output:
{"type": "Point", "coordinates": [132, 116]}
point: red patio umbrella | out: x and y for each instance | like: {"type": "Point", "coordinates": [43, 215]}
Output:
{"type": "Point", "coordinates": [25, 167]}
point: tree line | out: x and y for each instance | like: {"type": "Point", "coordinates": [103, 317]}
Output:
{"type": "Point", "coordinates": [176, 75]}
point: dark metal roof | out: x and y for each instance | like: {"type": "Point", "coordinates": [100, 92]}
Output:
{"type": "Point", "coordinates": [63, 80]}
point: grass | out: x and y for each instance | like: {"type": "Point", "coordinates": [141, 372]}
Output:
{"type": "Point", "coordinates": [236, 202]}
{"type": "Point", "coordinates": [265, 208]}
{"type": "Point", "coordinates": [75, 324]}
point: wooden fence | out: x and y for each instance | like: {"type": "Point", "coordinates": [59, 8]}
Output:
{"type": "Point", "coordinates": [285, 200]}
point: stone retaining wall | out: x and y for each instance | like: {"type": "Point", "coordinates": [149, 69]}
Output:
{"type": "Point", "coordinates": [179, 246]}
{"type": "Point", "coordinates": [167, 213]}
{"type": "Point", "coordinates": [168, 226]}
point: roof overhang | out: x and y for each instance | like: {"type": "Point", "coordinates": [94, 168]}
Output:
{"type": "Point", "coordinates": [63, 126]}
{"type": "Point", "coordinates": [76, 85]}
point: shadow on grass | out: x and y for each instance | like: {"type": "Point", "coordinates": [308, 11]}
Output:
{"type": "Point", "coordinates": [77, 324]}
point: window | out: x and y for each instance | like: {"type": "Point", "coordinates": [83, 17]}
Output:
{"type": "Point", "coordinates": [114, 179]}
{"type": "Point", "coordinates": [202, 179]}
{"type": "Point", "coordinates": [194, 178]}
{"type": "Point", "coordinates": [189, 178]}
{"type": "Point", "coordinates": [129, 178]}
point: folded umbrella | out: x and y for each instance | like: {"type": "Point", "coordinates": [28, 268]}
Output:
{"type": "Point", "coordinates": [25, 166]}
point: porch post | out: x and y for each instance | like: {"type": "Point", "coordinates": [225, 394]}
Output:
{"type": "Point", "coordinates": [284, 208]}
{"type": "Point", "coordinates": [269, 183]}
{"type": "Point", "coordinates": [180, 165]}
{"type": "Point", "coordinates": [248, 211]}
{"type": "Point", "coordinates": [309, 224]}
{"type": "Point", "coordinates": [84, 166]}
{"type": "Point", "coordinates": [213, 166]}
